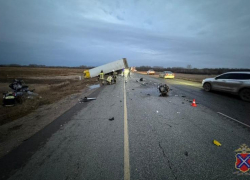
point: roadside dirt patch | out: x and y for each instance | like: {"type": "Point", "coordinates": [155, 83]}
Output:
{"type": "Point", "coordinates": [12, 134]}
{"type": "Point", "coordinates": [52, 84]}
{"type": "Point", "coordinates": [49, 92]}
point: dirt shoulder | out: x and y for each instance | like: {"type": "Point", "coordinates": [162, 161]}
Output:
{"type": "Point", "coordinates": [58, 90]}
{"type": "Point", "coordinates": [14, 133]}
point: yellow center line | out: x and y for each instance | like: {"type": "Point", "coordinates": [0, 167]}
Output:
{"type": "Point", "coordinates": [126, 141]}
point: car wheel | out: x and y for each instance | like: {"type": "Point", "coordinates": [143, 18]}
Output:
{"type": "Point", "coordinates": [207, 87]}
{"type": "Point", "coordinates": [245, 94]}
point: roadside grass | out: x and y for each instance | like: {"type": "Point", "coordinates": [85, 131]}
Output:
{"type": "Point", "coordinates": [189, 77]}
{"type": "Point", "coordinates": [20, 72]}
{"type": "Point", "coordinates": [49, 90]}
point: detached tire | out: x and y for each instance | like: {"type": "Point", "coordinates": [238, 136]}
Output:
{"type": "Point", "coordinates": [245, 94]}
{"type": "Point", "coordinates": [207, 87]}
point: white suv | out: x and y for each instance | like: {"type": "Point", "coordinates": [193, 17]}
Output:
{"type": "Point", "coordinates": [232, 82]}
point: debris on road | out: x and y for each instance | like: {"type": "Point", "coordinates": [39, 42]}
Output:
{"type": "Point", "coordinates": [194, 103]}
{"type": "Point", "coordinates": [186, 153]}
{"type": "Point", "coordinates": [148, 94]}
{"type": "Point", "coordinates": [176, 95]}
{"type": "Point", "coordinates": [133, 89]}
{"type": "Point", "coordinates": [217, 143]}
{"type": "Point", "coordinates": [178, 112]}
{"type": "Point", "coordinates": [111, 119]}
{"type": "Point", "coordinates": [183, 96]}
{"type": "Point", "coordinates": [157, 111]}
{"type": "Point", "coordinates": [86, 99]}
{"type": "Point", "coordinates": [164, 89]}
{"type": "Point", "coordinates": [141, 79]}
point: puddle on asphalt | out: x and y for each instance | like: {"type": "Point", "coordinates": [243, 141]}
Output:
{"type": "Point", "coordinates": [94, 86]}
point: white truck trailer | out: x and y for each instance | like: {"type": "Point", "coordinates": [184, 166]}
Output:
{"type": "Point", "coordinates": [106, 68]}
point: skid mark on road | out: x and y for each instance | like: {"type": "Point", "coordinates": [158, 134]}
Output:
{"type": "Point", "coordinates": [126, 140]}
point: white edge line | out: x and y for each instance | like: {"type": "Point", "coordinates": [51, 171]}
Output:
{"type": "Point", "coordinates": [233, 119]}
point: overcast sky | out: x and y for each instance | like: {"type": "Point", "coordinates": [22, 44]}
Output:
{"type": "Point", "coordinates": [169, 33]}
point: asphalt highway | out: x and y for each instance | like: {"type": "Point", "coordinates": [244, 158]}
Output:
{"type": "Point", "coordinates": [130, 132]}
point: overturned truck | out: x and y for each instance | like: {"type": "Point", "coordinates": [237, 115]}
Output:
{"type": "Point", "coordinates": [106, 68]}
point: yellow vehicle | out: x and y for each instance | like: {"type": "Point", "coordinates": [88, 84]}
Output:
{"type": "Point", "coordinates": [166, 75]}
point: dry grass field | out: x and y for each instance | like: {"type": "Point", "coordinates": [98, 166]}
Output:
{"type": "Point", "coordinates": [189, 77]}
{"type": "Point", "coordinates": [52, 84]}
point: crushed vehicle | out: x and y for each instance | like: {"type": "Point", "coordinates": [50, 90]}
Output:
{"type": "Point", "coordinates": [163, 89]}
{"type": "Point", "coordinates": [19, 92]}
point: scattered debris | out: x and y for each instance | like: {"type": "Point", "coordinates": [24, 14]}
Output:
{"type": "Point", "coordinates": [94, 86]}
{"type": "Point", "coordinates": [186, 153]}
{"type": "Point", "coordinates": [217, 143]}
{"type": "Point", "coordinates": [148, 94]}
{"type": "Point", "coordinates": [178, 112]}
{"type": "Point", "coordinates": [133, 89]}
{"type": "Point", "coordinates": [182, 102]}
{"type": "Point", "coordinates": [157, 111]}
{"type": "Point", "coordinates": [164, 89]}
{"type": "Point", "coordinates": [183, 96]}
{"type": "Point", "coordinates": [111, 119]}
{"type": "Point", "coordinates": [141, 79]}
{"type": "Point", "coordinates": [86, 99]}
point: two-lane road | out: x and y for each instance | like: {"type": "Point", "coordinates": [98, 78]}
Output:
{"type": "Point", "coordinates": [130, 132]}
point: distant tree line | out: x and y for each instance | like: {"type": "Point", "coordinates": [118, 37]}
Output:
{"type": "Point", "coordinates": [44, 66]}
{"type": "Point", "coordinates": [190, 70]}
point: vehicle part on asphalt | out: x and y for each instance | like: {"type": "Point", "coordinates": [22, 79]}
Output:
{"type": "Point", "coordinates": [141, 79]}
{"type": "Point", "coordinates": [111, 119]}
{"type": "Point", "coordinates": [86, 99]}
{"type": "Point", "coordinates": [164, 89]}
{"type": "Point", "coordinates": [217, 143]}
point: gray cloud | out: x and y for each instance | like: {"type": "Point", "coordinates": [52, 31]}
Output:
{"type": "Point", "coordinates": [163, 33]}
